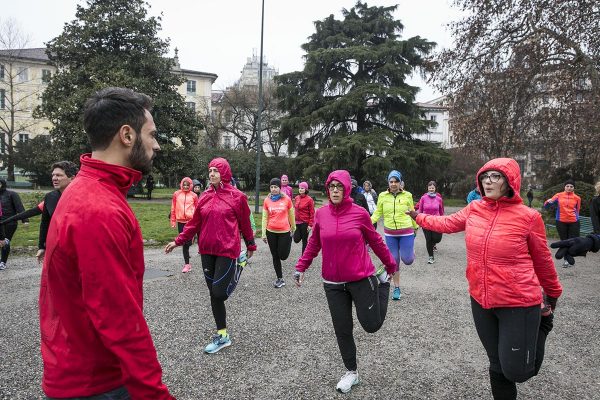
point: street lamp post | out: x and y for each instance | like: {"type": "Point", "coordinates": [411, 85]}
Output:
{"type": "Point", "coordinates": [260, 106]}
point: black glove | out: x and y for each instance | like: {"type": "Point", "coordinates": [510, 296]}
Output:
{"type": "Point", "coordinates": [573, 248]}
{"type": "Point", "coordinates": [551, 301]}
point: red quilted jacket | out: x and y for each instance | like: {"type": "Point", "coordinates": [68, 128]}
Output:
{"type": "Point", "coordinates": [508, 258]}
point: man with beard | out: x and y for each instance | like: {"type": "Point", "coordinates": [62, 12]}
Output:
{"type": "Point", "coordinates": [95, 340]}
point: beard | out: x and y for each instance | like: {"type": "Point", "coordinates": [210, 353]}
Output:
{"type": "Point", "coordinates": [138, 158]}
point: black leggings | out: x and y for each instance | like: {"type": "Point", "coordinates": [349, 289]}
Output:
{"type": "Point", "coordinates": [186, 245]}
{"type": "Point", "coordinates": [431, 239]}
{"type": "Point", "coordinates": [280, 245]}
{"type": "Point", "coordinates": [220, 273]}
{"type": "Point", "coordinates": [515, 340]}
{"type": "Point", "coordinates": [9, 231]}
{"type": "Point", "coordinates": [371, 302]}
{"type": "Point", "coordinates": [567, 230]}
{"type": "Point", "coordinates": [301, 234]}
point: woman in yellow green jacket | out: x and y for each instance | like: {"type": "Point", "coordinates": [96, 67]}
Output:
{"type": "Point", "coordinates": [399, 229]}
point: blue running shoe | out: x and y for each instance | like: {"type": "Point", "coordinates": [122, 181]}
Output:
{"type": "Point", "coordinates": [397, 294]}
{"type": "Point", "coordinates": [218, 342]}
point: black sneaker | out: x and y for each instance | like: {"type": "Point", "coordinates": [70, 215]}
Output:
{"type": "Point", "coordinates": [279, 283]}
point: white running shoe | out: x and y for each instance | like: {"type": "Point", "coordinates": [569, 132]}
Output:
{"type": "Point", "coordinates": [345, 384]}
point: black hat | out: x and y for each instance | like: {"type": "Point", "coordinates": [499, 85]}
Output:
{"type": "Point", "coordinates": [569, 182]}
{"type": "Point", "coordinates": [354, 182]}
{"type": "Point", "coordinates": [276, 182]}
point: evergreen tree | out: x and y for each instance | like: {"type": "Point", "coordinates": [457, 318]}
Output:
{"type": "Point", "coordinates": [114, 43]}
{"type": "Point", "coordinates": [351, 107]}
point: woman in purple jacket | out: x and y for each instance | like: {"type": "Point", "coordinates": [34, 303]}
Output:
{"type": "Point", "coordinates": [431, 203]}
{"type": "Point", "coordinates": [342, 229]}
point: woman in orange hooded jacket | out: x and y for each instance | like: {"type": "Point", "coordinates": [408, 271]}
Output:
{"type": "Point", "coordinates": [508, 265]}
{"type": "Point", "coordinates": [183, 206]}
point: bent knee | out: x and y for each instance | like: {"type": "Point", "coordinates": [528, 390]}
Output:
{"type": "Point", "coordinates": [519, 376]}
{"type": "Point", "coordinates": [408, 260]}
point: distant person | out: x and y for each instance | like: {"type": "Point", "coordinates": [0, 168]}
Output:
{"type": "Point", "coordinates": [595, 209]}
{"type": "Point", "coordinates": [371, 196]}
{"type": "Point", "coordinates": [278, 226]}
{"type": "Point", "coordinates": [285, 187]}
{"type": "Point", "coordinates": [11, 205]}
{"type": "Point", "coordinates": [304, 212]}
{"type": "Point", "coordinates": [221, 214]}
{"type": "Point", "coordinates": [568, 206]}
{"type": "Point", "coordinates": [149, 187]}
{"type": "Point", "coordinates": [431, 204]}
{"type": "Point", "coordinates": [94, 337]}
{"type": "Point", "coordinates": [197, 188]}
{"type": "Point", "coordinates": [63, 173]}
{"type": "Point", "coordinates": [357, 196]}
{"type": "Point", "coordinates": [529, 196]}
{"type": "Point", "coordinates": [512, 279]}
{"type": "Point", "coordinates": [183, 205]}
{"type": "Point", "coordinates": [473, 195]}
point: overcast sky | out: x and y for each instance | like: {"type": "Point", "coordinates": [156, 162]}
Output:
{"type": "Point", "coordinates": [218, 35]}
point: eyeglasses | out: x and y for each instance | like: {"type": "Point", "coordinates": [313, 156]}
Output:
{"type": "Point", "coordinates": [333, 187]}
{"type": "Point", "coordinates": [492, 177]}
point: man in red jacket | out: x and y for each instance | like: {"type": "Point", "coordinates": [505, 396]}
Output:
{"type": "Point", "coordinates": [95, 340]}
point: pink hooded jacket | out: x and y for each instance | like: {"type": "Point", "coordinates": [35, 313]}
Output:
{"type": "Point", "coordinates": [221, 213]}
{"type": "Point", "coordinates": [508, 258]}
{"type": "Point", "coordinates": [342, 232]}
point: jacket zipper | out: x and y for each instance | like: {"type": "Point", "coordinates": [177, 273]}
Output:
{"type": "Point", "coordinates": [485, 267]}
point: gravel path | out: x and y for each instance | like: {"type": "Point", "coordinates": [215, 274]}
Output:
{"type": "Point", "coordinates": [283, 341]}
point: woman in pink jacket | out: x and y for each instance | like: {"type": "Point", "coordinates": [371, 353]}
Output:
{"type": "Point", "coordinates": [221, 213]}
{"type": "Point", "coordinates": [431, 203]}
{"type": "Point", "coordinates": [342, 230]}
{"type": "Point", "coordinates": [183, 205]}
{"type": "Point", "coordinates": [507, 261]}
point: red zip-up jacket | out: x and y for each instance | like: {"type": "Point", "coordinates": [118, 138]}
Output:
{"type": "Point", "coordinates": [508, 258]}
{"type": "Point", "coordinates": [220, 215]}
{"type": "Point", "coordinates": [93, 333]}
{"type": "Point", "coordinates": [305, 209]}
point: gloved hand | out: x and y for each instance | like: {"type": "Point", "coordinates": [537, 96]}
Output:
{"type": "Point", "coordinates": [573, 248]}
{"type": "Point", "coordinates": [551, 301]}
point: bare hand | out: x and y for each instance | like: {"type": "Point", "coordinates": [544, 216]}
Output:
{"type": "Point", "coordinates": [298, 278]}
{"type": "Point", "coordinates": [40, 256]}
{"type": "Point", "coordinates": [413, 214]}
{"type": "Point", "coordinates": [249, 253]}
{"type": "Point", "coordinates": [169, 247]}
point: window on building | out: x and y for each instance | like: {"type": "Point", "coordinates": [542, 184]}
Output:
{"type": "Point", "coordinates": [227, 142]}
{"type": "Point", "coordinates": [2, 99]}
{"type": "Point", "coordinates": [191, 86]}
{"type": "Point", "coordinates": [1, 72]}
{"type": "Point", "coordinates": [191, 105]}
{"type": "Point", "coordinates": [23, 137]}
{"type": "Point", "coordinates": [22, 74]}
{"type": "Point", "coordinates": [433, 118]}
{"type": "Point", "coordinates": [46, 75]}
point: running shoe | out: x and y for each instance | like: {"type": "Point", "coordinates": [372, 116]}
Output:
{"type": "Point", "coordinates": [431, 260]}
{"type": "Point", "coordinates": [218, 342]}
{"type": "Point", "coordinates": [279, 283]}
{"type": "Point", "coordinates": [186, 268]}
{"type": "Point", "coordinates": [397, 294]}
{"type": "Point", "coordinates": [2, 266]}
{"type": "Point", "coordinates": [566, 264]}
{"type": "Point", "coordinates": [345, 384]}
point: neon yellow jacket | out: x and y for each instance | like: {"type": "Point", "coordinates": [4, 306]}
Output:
{"type": "Point", "coordinates": [393, 209]}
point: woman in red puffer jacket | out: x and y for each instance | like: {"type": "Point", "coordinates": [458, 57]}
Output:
{"type": "Point", "coordinates": [507, 261]}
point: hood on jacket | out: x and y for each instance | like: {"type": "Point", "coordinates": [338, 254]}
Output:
{"type": "Point", "coordinates": [189, 181]}
{"type": "Point", "coordinates": [196, 182]}
{"type": "Point", "coordinates": [510, 169]}
{"type": "Point", "coordinates": [224, 169]}
{"type": "Point", "coordinates": [342, 176]}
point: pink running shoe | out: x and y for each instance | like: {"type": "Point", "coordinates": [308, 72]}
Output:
{"type": "Point", "coordinates": [186, 268]}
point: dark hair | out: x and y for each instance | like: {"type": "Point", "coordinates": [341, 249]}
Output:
{"type": "Point", "coordinates": [70, 168]}
{"type": "Point", "coordinates": [432, 183]}
{"type": "Point", "coordinates": [569, 182]}
{"type": "Point", "coordinates": [111, 108]}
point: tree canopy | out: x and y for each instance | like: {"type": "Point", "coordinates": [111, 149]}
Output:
{"type": "Point", "coordinates": [351, 106]}
{"type": "Point", "coordinates": [523, 76]}
{"type": "Point", "coordinates": [114, 43]}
